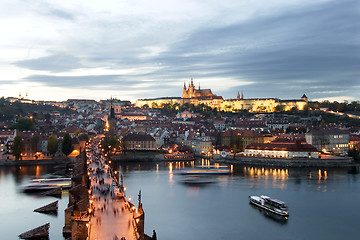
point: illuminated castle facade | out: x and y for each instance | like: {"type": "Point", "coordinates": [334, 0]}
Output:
{"type": "Point", "coordinates": [192, 92]}
{"type": "Point", "coordinates": [205, 96]}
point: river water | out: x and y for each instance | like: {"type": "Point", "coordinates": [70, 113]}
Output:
{"type": "Point", "coordinates": [323, 203]}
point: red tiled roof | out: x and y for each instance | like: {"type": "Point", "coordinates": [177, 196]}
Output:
{"type": "Point", "coordinates": [243, 133]}
{"type": "Point", "coordinates": [138, 137]}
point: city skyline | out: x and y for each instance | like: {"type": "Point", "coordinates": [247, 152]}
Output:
{"type": "Point", "coordinates": [138, 49]}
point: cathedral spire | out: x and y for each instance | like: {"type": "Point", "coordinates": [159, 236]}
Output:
{"type": "Point", "coordinates": [242, 95]}
{"type": "Point", "coordinates": [192, 83]}
{"type": "Point", "coordinates": [199, 86]}
{"type": "Point", "coordinates": [238, 95]}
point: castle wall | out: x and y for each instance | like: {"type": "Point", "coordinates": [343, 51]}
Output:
{"type": "Point", "coordinates": [206, 97]}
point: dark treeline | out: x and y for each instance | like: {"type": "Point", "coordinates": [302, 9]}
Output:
{"type": "Point", "coordinates": [38, 111]}
{"type": "Point", "coordinates": [337, 106]}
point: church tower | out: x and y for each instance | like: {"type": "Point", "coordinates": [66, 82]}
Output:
{"type": "Point", "coordinates": [305, 98]}
{"type": "Point", "coordinates": [185, 93]}
{"type": "Point", "coordinates": [238, 95]}
{"type": "Point", "coordinates": [191, 90]}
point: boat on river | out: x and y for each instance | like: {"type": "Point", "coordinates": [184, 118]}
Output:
{"type": "Point", "coordinates": [272, 205]}
{"type": "Point", "coordinates": [47, 184]}
{"type": "Point", "coordinates": [197, 180]}
{"type": "Point", "coordinates": [205, 170]}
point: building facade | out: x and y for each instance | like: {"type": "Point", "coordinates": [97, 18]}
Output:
{"type": "Point", "coordinates": [276, 150]}
{"type": "Point", "coordinates": [138, 141]}
{"type": "Point", "coordinates": [329, 140]}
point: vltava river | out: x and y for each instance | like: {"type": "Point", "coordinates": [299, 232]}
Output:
{"type": "Point", "coordinates": [323, 203]}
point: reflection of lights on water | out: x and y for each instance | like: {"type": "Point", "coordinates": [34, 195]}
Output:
{"type": "Point", "coordinates": [37, 173]}
{"type": "Point", "coordinates": [171, 175]}
{"type": "Point", "coordinates": [157, 168]}
{"type": "Point", "coordinates": [170, 167]}
{"type": "Point", "coordinates": [278, 173]}
{"type": "Point", "coordinates": [325, 175]}
{"type": "Point", "coordinates": [231, 168]}
{"type": "Point", "coordinates": [193, 190]}
{"type": "Point", "coordinates": [319, 174]}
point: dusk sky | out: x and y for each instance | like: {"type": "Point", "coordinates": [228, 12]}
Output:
{"type": "Point", "coordinates": [131, 49]}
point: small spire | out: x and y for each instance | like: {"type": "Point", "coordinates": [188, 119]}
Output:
{"type": "Point", "coordinates": [199, 86]}
{"type": "Point", "coordinates": [242, 95]}
{"type": "Point", "coordinates": [238, 95]}
{"type": "Point", "coordinates": [192, 84]}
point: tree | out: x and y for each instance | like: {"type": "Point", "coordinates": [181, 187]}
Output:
{"type": "Point", "coordinates": [34, 143]}
{"type": "Point", "coordinates": [83, 137]}
{"type": "Point", "coordinates": [24, 124]}
{"type": "Point", "coordinates": [52, 144]}
{"type": "Point", "coordinates": [109, 144]}
{"type": "Point", "coordinates": [354, 153]}
{"type": "Point", "coordinates": [235, 150]}
{"type": "Point", "coordinates": [18, 147]}
{"type": "Point", "coordinates": [77, 132]}
{"type": "Point", "coordinates": [280, 108]}
{"type": "Point", "coordinates": [67, 145]}
{"type": "Point", "coordinates": [154, 105]}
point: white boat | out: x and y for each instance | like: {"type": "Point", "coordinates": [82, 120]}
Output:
{"type": "Point", "coordinates": [272, 205]}
{"type": "Point", "coordinates": [47, 184]}
{"type": "Point", "coordinates": [205, 170]}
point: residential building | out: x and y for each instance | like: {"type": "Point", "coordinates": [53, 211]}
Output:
{"type": "Point", "coordinates": [239, 139]}
{"type": "Point", "coordinates": [139, 141]}
{"type": "Point", "coordinates": [329, 140]}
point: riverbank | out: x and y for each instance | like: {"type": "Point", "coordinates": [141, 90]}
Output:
{"type": "Point", "coordinates": [47, 161]}
{"type": "Point", "coordinates": [294, 162]}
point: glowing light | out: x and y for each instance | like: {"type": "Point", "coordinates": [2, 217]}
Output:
{"type": "Point", "coordinates": [129, 198]}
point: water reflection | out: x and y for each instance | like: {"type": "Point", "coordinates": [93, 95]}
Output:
{"type": "Point", "coordinates": [272, 216]}
{"type": "Point", "coordinates": [24, 173]}
{"type": "Point", "coordinates": [255, 171]}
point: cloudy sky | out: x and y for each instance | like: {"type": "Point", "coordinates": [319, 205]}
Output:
{"type": "Point", "coordinates": [130, 49]}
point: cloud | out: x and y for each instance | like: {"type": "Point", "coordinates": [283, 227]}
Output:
{"type": "Point", "coordinates": [61, 14]}
{"type": "Point", "coordinates": [57, 62]}
{"type": "Point", "coordinates": [310, 48]}
{"type": "Point", "coordinates": [316, 45]}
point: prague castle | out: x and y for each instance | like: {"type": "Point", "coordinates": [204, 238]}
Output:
{"type": "Point", "coordinates": [191, 92]}
{"type": "Point", "coordinates": [205, 96]}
